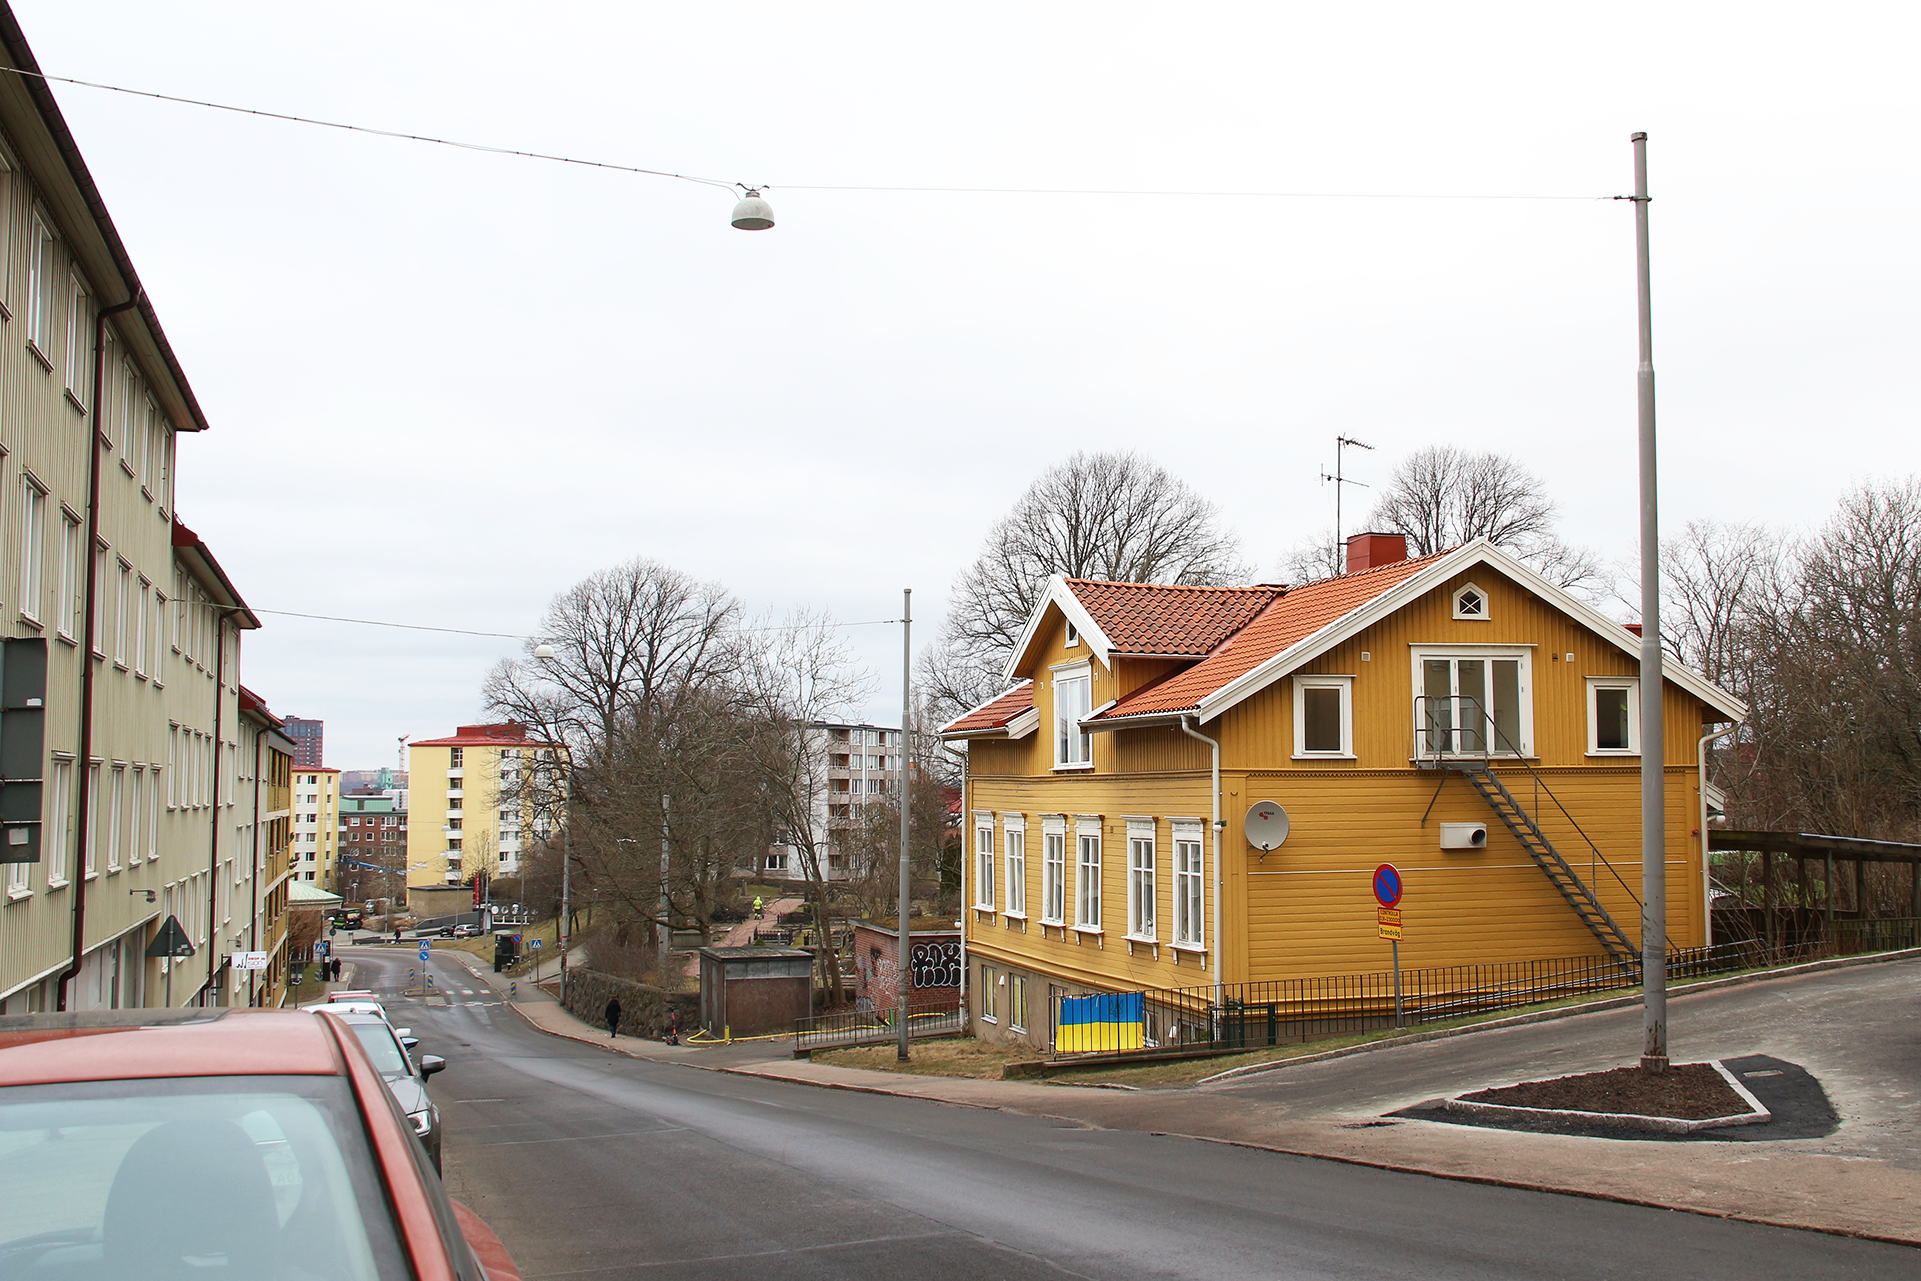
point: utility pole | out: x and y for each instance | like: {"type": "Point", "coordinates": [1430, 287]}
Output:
{"type": "Point", "coordinates": [1340, 448]}
{"type": "Point", "coordinates": [904, 971]}
{"type": "Point", "coordinates": [1654, 891]}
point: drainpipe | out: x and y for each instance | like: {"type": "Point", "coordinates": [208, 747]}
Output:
{"type": "Point", "coordinates": [253, 917]}
{"type": "Point", "coordinates": [213, 857]}
{"type": "Point", "coordinates": [1707, 876]}
{"type": "Point", "coordinates": [83, 790]}
{"type": "Point", "coordinates": [1217, 825]}
{"type": "Point", "coordinates": [965, 850]}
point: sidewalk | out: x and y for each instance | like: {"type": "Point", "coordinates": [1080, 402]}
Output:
{"type": "Point", "coordinates": [1791, 1183]}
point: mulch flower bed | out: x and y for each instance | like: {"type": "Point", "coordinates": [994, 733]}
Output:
{"type": "Point", "coordinates": [1687, 1092]}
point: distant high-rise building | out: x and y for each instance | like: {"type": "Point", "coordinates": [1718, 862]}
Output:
{"type": "Point", "coordinates": [309, 740]}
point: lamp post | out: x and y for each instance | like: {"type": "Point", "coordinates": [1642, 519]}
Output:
{"type": "Point", "coordinates": [1654, 891]}
{"type": "Point", "coordinates": [545, 653]}
{"type": "Point", "coordinates": [903, 960]}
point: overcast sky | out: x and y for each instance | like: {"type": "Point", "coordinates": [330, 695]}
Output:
{"type": "Point", "coordinates": [444, 385]}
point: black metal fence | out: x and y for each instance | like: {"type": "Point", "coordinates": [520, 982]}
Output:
{"type": "Point", "coordinates": [857, 1026]}
{"type": "Point", "coordinates": [1289, 1011]}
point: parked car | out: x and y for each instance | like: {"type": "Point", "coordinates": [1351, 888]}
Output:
{"type": "Point", "coordinates": [248, 1143]}
{"type": "Point", "coordinates": [467, 931]}
{"type": "Point", "coordinates": [391, 1050]}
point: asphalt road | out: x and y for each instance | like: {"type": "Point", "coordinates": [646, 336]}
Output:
{"type": "Point", "coordinates": [599, 1166]}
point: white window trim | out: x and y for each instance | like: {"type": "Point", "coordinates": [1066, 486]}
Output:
{"type": "Point", "coordinates": [1054, 825]}
{"type": "Point", "coordinates": [984, 856]}
{"type": "Point", "coordinates": [1632, 684]}
{"type": "Point", "coordinates": [1142, 829]}
{"type": "Point", "coordinates": [1086, 825]}
{"type": "Point", "coordinates": [1015, 893]}
{"type": "Point", "coordinates": [1193, 830]}
{"type": "Point", "coordinates": [1346, 685]}
{"type": "Point", "coordinates": [1461, 591]}
{"type": "Point", "coordinates": [1419, 654]}
{"type": "Point", "coordinates": [1071, 672]}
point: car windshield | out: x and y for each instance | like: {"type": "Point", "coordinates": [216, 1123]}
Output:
{"type": "Point", "coordinates": [383, 1049]}
{"type": "Point", "coordinates": [254, 1177]}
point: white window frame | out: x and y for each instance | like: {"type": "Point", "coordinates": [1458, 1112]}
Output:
{"type": "Point", "coordinates": [41, 257]}
{"type": "Point", "coordinates": [1345, 684]}
{"type": "Point", "coordinates": [1420, 654]}
{"type": "Point", "coordinates": [984, 862]}
{"type": "Point", "coordinates": [990, 999]}
{"type": "Point", "coordinates": [1053, 870]}
{"type": "Point", "coordinates": [73, 576]}
{"type": "Point", "coordinates": [1481, 595]}
{"type": "Point", "coordinates": [19, 881]}
{"type": "Point", "coordinates": [33, 544]}
{"type": "Point", "coordinates": [59, 811]}
{"type": "Point", "coordinates": [1190, 885]}
{"type": "Point", "coordinates": [1087, 874]}
{"type": "Point", "coordinates": [1632, 684]}
{"type": "Point", "coordinates": [90, 823]}
{"type": "Point", "coordinates": [78, 300]}
{"type": "Point", "coordinates": [1017, 1002]}
{"type": "Point", "coordinates": [1142, 854]}
{"type": "Point", "coordinates": [1073, 750]}
{"type": "Point", "coordinates": [1014, 843]}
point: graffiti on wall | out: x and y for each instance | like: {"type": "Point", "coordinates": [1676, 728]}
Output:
{"type": "Point", "coordinates": [936, 963]}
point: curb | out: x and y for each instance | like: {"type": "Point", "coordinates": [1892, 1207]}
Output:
{"type": "Point", "coordinates": [1755, 1115]}
{"type": "Point", "coordinates": [1565, 1012]}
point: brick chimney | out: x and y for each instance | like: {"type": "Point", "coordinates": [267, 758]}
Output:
{"type": "Point", "coordinates": [1633, 627]}
{"type": "Point", "coordinates": [1368, 551]}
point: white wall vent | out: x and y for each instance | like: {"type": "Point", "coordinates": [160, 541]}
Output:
{"type": "Point", "coordinates": [1464, 836]}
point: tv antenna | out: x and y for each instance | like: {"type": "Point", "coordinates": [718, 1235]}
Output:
{"type": "Point", "coordinates": [1340, 449]}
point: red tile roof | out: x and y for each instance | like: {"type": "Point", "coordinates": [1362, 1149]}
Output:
{"type": "Point", "coordinates": [995, 713]}
{"type": "Point", "coordinates": [1150, 618]}
{"type": "Point", "coordinates": [512, 734]}
{"type": "Point", "coordinates": [1292, 618]}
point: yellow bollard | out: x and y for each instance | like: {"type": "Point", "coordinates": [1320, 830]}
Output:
{"type": "Point", "coordinates": [727, 1031]}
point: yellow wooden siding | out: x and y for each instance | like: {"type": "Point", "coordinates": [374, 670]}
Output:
{"type": "Point", "coordinates": [1307, 909]}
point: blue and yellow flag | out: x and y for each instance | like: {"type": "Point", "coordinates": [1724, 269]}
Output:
{"type": "Point", "coordinates": [1108, 1022]}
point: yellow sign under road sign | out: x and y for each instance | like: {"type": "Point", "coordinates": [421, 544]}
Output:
{"type": "Point", "coordinates": [1389, 915]}
{"type": "Point", "coordinates": [1390, 931]}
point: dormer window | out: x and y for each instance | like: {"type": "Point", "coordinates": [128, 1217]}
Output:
{"type": "Point", "coordinates": [1470, 602]}
{"type": "Point", "coordinates": [1073, 635]}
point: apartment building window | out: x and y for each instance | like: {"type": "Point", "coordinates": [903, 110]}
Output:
{"type": "Point", "coordinates": [142, 589]}
{"type": "Point", "coordinates": [154, 631]}
{"type": "Point", "coordinates": [1073, 688]}
{"type": "Point", "coordinates": [153, 814]}
{"type": "Point", "coordinates": [99, 599]}
{"type": "Point", "coordinates": [60, 816]}
{"type": "Point", "coordinates": [1087, 874]}
{"type": "Point", "coordinates": [33, 536]}
{"type": "Point", "coordinates": [1053, 871]}
{"type": "Point", "coordinates": [78, 341]}
{"type": "Point", "coordinates": [1017, 1002]}
{"type": "Point", "coordinates": [984, 862]}
{"type": "Point", "coordinates": [173, 761]}
{"type": "Point", "coordinates": [152, 428]}
{"type": "Point", "coordinates": [455, 755]}
{"type": "Point", "coordinates": [136, 787]}
{"type": "Point", "coordinates": [123, 597]}
{"type": "Point", "coordinates": [1614, 716]}
{"type": "Point", "coordinates": [73, 575]}
{"type": "Point", "coordinates": [90, 853]}
{"type": "Point", "coordinates": [1187, 885]}
{"type": "Point", "coordinates": [1014, 835]}
{"type": "Point", "coordinates": [990, 994]}
{"type": "Point", "coordinates": [40, 288]}
{"type": "Point", "coordinates": [18, 886]}
{"type": "Point", "coordinates": [1140, 880]}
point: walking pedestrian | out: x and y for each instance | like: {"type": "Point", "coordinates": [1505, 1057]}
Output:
{"type": "Point", "coordinates": [613, 1018]}
{"type": "Point", "coordinates": [759, 912]}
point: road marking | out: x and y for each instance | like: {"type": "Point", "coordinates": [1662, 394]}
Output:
{"type": "Point", "coordinates": [581, 1138]}
{"type": "Point", "coordinates": [480, 1100]}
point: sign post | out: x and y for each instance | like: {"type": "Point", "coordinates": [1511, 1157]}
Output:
{"type": "Point", "coordinates": [1387, 893]}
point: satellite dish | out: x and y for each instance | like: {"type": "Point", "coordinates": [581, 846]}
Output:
{"type": "Point", "coordinates": [1266, 826]}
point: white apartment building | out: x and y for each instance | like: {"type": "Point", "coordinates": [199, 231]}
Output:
{"type": "Point", "coordinates": [854, 764]}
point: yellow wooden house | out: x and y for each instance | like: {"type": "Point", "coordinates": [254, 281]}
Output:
{"type": "Point", "coordinates": [1455, 715]}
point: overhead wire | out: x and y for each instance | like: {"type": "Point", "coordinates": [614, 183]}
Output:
{"type": "Point", "coordinates": [465, 631]}
{"type": "Point", "coordinates": [404, 136]}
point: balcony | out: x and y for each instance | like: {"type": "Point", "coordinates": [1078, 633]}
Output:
{"type": "Point", "coordinates": [457, 812]}
{"type": "Point", "coordinates": [456, 772]}
{"type": "Point", "coordinates": [455, 793]}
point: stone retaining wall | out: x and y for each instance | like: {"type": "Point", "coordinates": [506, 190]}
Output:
{"type": "Point", "coordinates": [643, 1009]}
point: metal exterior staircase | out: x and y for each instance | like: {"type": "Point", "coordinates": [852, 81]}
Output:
{"type": "Point", "coordinates": [1546, 857]}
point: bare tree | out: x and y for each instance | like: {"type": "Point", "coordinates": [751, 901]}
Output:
{"type": "Point", "coordinates": [1714, 576]}
{"type": "Point", "coordinates": [1443, 496]}
{"type": "Point", "coordinates": [797, 677]}
{"type": "Point", "coordinates": [1115, 516]}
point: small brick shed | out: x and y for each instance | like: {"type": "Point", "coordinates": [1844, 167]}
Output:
{"type": "Point", "coordinates": [934, 956]}
{"type": "Point", "coordinates": [752, 991]}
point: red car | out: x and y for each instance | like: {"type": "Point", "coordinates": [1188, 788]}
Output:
{"type": "Point", "coordinates": [217, 1143]}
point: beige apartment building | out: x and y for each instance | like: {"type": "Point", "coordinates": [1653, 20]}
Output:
{"type": "Point", "coordinates": [469, 813]}
{"type": "Point", "coordinates": [119, 631]}
{"type": "Point", "coordinates": [316, 826]}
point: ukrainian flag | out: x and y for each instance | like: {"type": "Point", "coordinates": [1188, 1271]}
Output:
{"type": "Point", "coordinates": [1107, 1022]}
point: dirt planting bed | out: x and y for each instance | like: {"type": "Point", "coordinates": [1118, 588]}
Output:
{"type": "Point", "coordinates": [1687, 1092]}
